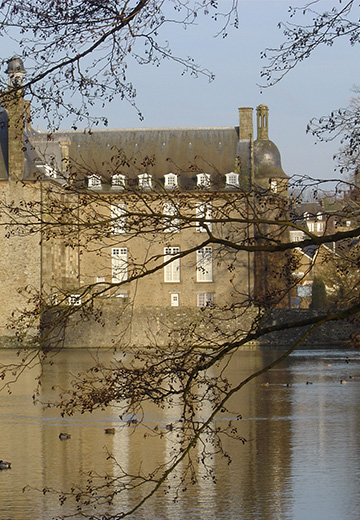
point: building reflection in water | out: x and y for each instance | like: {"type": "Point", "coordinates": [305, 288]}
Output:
{"type": "Point", "coordinates": [303, 444]}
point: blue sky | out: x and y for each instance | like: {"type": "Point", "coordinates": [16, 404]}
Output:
{"type": "Point", "coordinates": [316, 87]}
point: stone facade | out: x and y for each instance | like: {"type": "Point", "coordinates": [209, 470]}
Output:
{"type": "Point", "coordinates": [84, 213]}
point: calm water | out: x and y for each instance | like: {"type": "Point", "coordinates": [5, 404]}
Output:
{"type": "Point", "coordinates": [301, 461]}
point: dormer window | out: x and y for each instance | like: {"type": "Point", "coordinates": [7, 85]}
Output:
{"type": "Point", "coordinates": [203, 180]}
{"type": "Point", "coordinates": [48, 167]}
{"type": "Point", "coordinates": [171, 181]}
{"type": "Point", "coordinates": [118, 181]}
{"type": "Point", "coordinates": [232, 180]}
{"type": "Point", "coordinates": [50, 172]}
{"type": "Point", "coordinates": [145, 181]}
{"type": "Point", "coordinates": [94, 182]}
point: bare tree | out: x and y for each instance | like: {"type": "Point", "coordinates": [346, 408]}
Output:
{"type": "Point", "coordinates": [78, 52]}
{"type": "Point", "coordinates": [62, 38]}
{"type": "Point", "coordinates": [304, 35]}
{"type": "Point", "coordinates": [256, 221]}
{"type": "Point", "coordinates": [307, 29]}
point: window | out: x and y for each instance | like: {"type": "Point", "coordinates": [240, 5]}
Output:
{"type": "Point", "coordinates": [145, 181]}
{"type": "Point", "coordinates": [311, 226]}
{"type": "Point", "coordinates": [232, 180]}
{"type": "Point", "coordinates": [123, 296]}
{"type": "Point", "coordinates": [75, 299]}
{"type": "Point", "coordinates": [204, 264]}
{"type": "Point", "coordinates": [204, 211]}
{"type": "Point", "coordinates": [118, 181]}
{"type": "Point", "coordinates": [118, 218]}
{"type": "Point", "coordinates": [94, 182]}
{"type": "Point", "coordinates": [273, 185]}
{"type": "Point", "coordinates": [119, 264]}
{"type": "Point", "coordinates": [49, 170]}
{"type": "Point", "coordinates": [319, 227]}
{"type": "Point", "coordinates": [171, 181]}
{"type": "Point", "coordinates": [171, 225]}
{"type": "Point", "coordinates": [175, 300]}
{"type": "Point", "coordinates": [203, 180]}
{"type": "Point", "coordinates": [172, 269]}
{"type": "Point", "coordinates": [205, 300]}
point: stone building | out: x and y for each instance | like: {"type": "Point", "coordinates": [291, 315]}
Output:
{"type": "Point", "coordinates": [86, 214]}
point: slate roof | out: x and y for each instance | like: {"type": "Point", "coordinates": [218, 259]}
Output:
{"type": "Point", "coordinates": [157, 151]}
{"type": "Point", "coordinates": [267, 160]}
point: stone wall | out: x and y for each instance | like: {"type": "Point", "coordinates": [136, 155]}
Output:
{"type": "Point", "coordinates": [333, 334]}
{"type": "Point", "coordinates": [114, 324]}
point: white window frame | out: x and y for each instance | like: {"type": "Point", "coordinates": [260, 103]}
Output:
{"type": "Point", "coordinates": [119, 264]}
{"type": "Point", "coordinates": [204, 264]}
{"type": "Point", "coordinates": [118, 181]}
{"type": "Point", "coordinates": [204, 211]}
{"type": "Point", "coordinates": [118, 218]}
{"type": "Point", "coordinates": [171, 181]}
{"type": "Point", "coordinates": [145, 181]}
{"type": "Point", "coordinates": [311, 226]}
{"type": "Point", "coordinates": [205, 299]}
{"type": "Point", "coordinates": [94, 182]}
{"type": "Point", "coordinates": [74, 299]}
{"type": "Point", "coordinates": [171, 225]}
{"type": "Point", "coordinates": [203, 180]}
{"type": "Point", "coordinates": [319, 227]}
{"type": "Point", "coordinates": [232, 180]}
{"type": "Point", "coordinates": [172, 269]}
{"type": "Point", "coordinates": [274, 185]}
{"type": "Point", "coordinates": [49, 170]}
{"type": "Point", "coordinates": [174, 299]}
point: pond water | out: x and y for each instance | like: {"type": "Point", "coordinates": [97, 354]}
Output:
{"type": "Point", "coordinates": [301, 460]}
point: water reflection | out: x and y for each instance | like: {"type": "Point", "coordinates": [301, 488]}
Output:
{"type": "Point", "coordinates": [301, 461]}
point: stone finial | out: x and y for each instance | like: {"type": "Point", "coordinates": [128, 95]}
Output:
{"type": "Point", "coordinates": [262, 112]}
{"type": "Point", "coordinates": [15, 70]}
